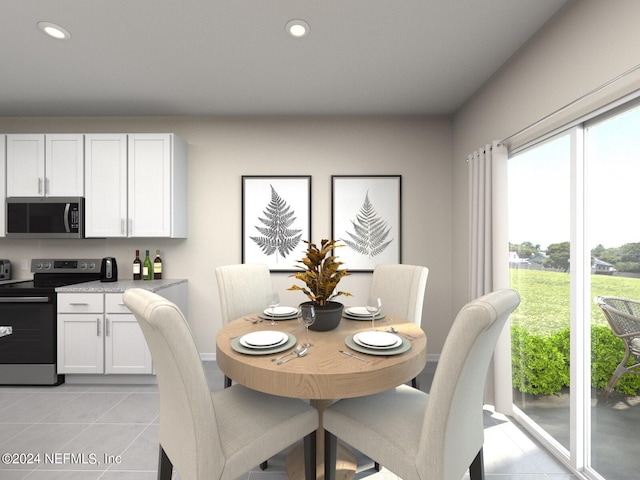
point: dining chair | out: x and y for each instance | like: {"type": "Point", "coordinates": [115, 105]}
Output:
{"type": "Point", "coordinates": [401, 288]}
{"type": "Point", "coordinates": [435, 436]}
{"type": "Point", "coordinates": [208, 435]}
{"type": "Point", "coordinates": [243, 290]}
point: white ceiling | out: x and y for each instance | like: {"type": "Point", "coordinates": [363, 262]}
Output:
{"type": "Point", "coordinates": [233, 57]}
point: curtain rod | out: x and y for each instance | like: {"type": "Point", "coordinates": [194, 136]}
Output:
{"type": "Point", "coordinates": [572, 103]}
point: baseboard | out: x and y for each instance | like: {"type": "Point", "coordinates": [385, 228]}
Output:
{"type": "Point", "coordinates": [208, 357]}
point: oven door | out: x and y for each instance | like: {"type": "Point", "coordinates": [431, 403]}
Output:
{"type": "Point", "coordinates": [27, 329]}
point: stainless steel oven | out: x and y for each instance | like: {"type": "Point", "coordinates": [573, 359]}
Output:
{"type": "Point", "coordinates": [27, 350]}
{"type": "Point", "coordinates": [28, 320]}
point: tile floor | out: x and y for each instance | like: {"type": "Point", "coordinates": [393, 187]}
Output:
{"type": "Point", "coordinates": [91, 432]}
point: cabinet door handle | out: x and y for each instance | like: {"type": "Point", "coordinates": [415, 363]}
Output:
{"type": "Point", "coordinates": [106, 327]}
{"type": "Point", "coordinates": [98, 327]}
{"type": "Point", "coordinates": [46, 186]}
{"type": "Point", "coordinates": [78, 304]}
{"type": "Point", "coordinates": [39, 185]}
{"type": "Point", "coordinates": [122, 226]}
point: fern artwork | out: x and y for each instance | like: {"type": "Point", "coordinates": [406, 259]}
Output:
{"type": "Point", "coordinates": [366, 218]}
{"type": "Point", "coordinates": [278, 238]}
{"type": "Point", "coordinates": [276, 216]}
{"type": "Point", "coordinates": [370, 235]}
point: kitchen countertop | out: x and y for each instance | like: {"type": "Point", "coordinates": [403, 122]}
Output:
{"type": "Point", "coordinates": [120, 286]}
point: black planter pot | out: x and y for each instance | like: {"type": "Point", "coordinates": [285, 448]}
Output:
{"type": "Point", "coordinates": [327, 317]}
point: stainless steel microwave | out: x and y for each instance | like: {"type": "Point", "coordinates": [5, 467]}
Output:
{"type": "Point", "coordinates": [45, 217]}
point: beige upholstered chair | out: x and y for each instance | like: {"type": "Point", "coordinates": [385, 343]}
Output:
{"type": "Point", "coordinates": [401, 288]}
{"type": "Point", "coordinates": [212, 436]}
{"type": "Point", "coordinates": [436, 436]}
{"type": "Point", "coordinates": [243, 290]}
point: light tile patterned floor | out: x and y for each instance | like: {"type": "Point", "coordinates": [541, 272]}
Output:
{"type": "Point", "coordinates": [116, 428]}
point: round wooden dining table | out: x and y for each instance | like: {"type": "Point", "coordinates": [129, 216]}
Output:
{"type": "Point", "coordinates": [324, 374]}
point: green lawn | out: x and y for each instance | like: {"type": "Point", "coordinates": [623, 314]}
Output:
{"type": "Point", "coordinates": [544, 308]}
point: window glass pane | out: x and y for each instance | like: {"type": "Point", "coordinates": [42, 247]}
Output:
{"type": "Point", "coordinates": [539, 234]}
{"type": "Point", "coordinates": [613, 180]}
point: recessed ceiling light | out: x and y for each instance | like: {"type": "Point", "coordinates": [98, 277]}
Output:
{"type": "Point", "coordinates": [297, 28]}
{"type": "Point", "coordinates": [54, 31]}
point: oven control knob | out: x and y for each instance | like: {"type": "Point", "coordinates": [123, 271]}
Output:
{"type": "Point", "coordinates": [83, 266]}
{"type": "Point", "coordinates": [47, 265]}
{"type": "Point", "coordinates": [92, 266]}
{"type": "Point", "coordinates": [38, 265]}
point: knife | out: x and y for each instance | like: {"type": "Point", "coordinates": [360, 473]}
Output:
{"type": "Point", "coordinates": [354, 356]}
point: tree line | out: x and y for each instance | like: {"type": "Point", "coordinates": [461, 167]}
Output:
{"type": "Point", "coordinates": [625, 258]}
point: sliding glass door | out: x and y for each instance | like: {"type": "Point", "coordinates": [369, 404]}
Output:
{"type": "Point", "coordinates": [573, 205]}
{"type": "Point", "coordinates": [539, 237]}
{"type": "Point", "coordinates": [612, 153]}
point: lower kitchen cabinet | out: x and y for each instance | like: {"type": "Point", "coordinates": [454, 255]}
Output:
{"type": "Point", "coordinates": [98, 335]}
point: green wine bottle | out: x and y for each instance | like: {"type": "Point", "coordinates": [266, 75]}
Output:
{"type": "Point", "coordinates": [147, 269]}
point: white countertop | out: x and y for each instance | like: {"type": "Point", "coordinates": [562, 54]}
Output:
{"type": "Point", "coordinates": [120, 286]}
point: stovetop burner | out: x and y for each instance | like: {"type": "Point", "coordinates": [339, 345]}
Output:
{"type": "Point", "coordinates": [48, 274]}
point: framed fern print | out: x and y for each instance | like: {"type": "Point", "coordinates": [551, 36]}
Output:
{"type": "Point", "coordinates": [366, 217]}
{"type": "Point", "coordinates": [276, 218]}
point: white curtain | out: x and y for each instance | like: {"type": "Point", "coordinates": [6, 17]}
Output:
{"type": "Point", "coordinates": [489, 254]}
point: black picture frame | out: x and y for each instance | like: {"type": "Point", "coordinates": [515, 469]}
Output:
{"type": "Point", "coordinates": [267, 201]}
{"type": "Point", "coordinates": [366, 216]}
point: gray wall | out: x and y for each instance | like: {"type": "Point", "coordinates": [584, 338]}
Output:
{"type": "Point", "coordinates": [221, 150]}
{"type": "Point", "coordinates": [585, 45]}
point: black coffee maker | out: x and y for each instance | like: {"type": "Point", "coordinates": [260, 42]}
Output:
{"type": "Point", "coordinates": [109, 270]}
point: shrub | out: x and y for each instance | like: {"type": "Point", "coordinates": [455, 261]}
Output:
{"type": "Point", "coordinates": [541, 363]}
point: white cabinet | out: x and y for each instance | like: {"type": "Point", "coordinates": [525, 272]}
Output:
{"type": "Point", "coordinates": [157, 201]}
{"type": "Point", "coordinates": [3, 184]}
{"type": "Point", "coordinates": [136, 186]}
{"type": "Point", "coordinates": [80, 333]}
{"type": "Point", "coordinates": [98, 335]}
{"type": "Point", "coordinates": [45, 165]}
{"type": "Point", "coordinates": [106, 185]}
{"type": "Point", "coordinates": [126, 350]}
{"type": "Point", "coordinates": [25, 165]}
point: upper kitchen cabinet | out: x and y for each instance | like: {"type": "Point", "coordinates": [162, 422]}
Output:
{"type": "Point", "coordinates": [3, 183]}
{"type": "Point", "coordinates": [106, 185]}
{"type": "Point", "coordinates": [157, 205]}
{"type": "Point", "coordinates": [136, 186]}
{"type": "Point", "coordinates": [45, 165]}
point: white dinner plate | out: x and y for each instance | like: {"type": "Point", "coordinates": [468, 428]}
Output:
{"type": "Point", "coordinates": [263, 339]}
{"type": "Point", "coordinates": [375, 339]}
{"type": "Point", "coordinates": [362, 318]}
{"type": "Point", "coordinates": [280, 311]}
{"type": "Point", "coordinates": [405, 346]}
{"type": "Point", "coordinates": [358, 311]}
{"type": "Point", "coordinates": [288, 344]}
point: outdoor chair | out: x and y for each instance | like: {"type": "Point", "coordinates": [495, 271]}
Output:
{"type": "Point", "coordinates": [623, 316]}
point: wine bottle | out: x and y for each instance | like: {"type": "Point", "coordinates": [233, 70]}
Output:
{"type": "Point", "coordinates": [147, 270]}
{"type": "Point", "coordinates": [137, 267]}
{"type": "Point", "coordinates": [157, 266]}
